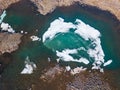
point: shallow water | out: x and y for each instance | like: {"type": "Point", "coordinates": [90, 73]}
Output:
{"type": "Point", "coordinates": [29, 20]}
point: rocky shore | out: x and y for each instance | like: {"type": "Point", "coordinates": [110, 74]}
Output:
{"type": "Point", "coordinates": [47, 6]}
{"type": "Point", "coordinates": [5, 3]}
{"type": "Point", "coordinates": [56, 78]}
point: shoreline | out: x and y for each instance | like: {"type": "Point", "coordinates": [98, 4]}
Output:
{"type": "Point", "coordinates": [41, 5]}
{"type": "Point", "coordinates": [47, 6]}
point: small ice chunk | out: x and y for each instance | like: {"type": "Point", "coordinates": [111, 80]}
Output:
{"type": "Point", "coordinates": [7, 27]}
{"type": "Point", "coordinates": [29, 67]}
{"type": "Point", "coordinates": [26, 32]}
{"type": "Point", "coordinates": [68, 68]}
{"type": "Point", "coordinates": [49, 59]}
{"type": "Point", "coordinates": [107, 63]}
{"type": "Point", "coordinates": [84, 60]}
{"type": "Point", "coordinates": [2, 16]}
{"type": "Point", "coordinates": [101, 70]}
{"type": "Point", "coordinates": [35, 38]}
{"type": "Point", "coordinates": [4, 26]}
{"type": "Point", "coordinates": [77, 70]}
{"type": "Point", "coordinates": [58, 60]}
{"type": "Point", "coordinates": [21, 32]}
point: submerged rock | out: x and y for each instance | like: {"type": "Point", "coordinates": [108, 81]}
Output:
{"type": "Point", "coordinates": [5, 59]}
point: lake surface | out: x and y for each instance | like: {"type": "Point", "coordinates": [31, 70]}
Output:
{"type": "Point", "coordinates": [23, 16]}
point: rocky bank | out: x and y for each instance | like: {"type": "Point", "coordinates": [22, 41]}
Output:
{"type": "Point", "coordinates": [47, 6]}
{"type": "Point", "coordinates": [5, 3]}
{"type": "Point", "coordinates": [55, 78]}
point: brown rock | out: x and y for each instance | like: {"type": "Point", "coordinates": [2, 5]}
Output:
{"type": "Point", "coordinates": [89, 81]}
{"type": "Point", "coordinates": [86, 80]}
{"type": "Point", "coordinates": [5, 3]}
{"type": "Point", "coordinates": [9, 42]}
{"type": "Point", "coordinates": [47, 6]}
{"type": "Point", "coordinates": [52, 73]}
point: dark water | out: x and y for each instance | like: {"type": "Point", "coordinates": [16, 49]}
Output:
{"type": "Point", "coordinates": [23, 16]}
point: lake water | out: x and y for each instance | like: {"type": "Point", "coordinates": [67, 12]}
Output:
{"type": "Point", "coordinates": [67, 44]}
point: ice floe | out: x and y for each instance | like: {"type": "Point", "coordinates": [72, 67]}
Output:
{"type": "Point", "coordinates": [107, 63]}
{"type": "Point", "coordinates": [6, 27]}
{"type": "Point", "coordinates": [2, 16]}
{"type": "Point", "coordinates": [57, 26]}
{"type": "Point", "coordinates": [68, 68]}
{"type": "Point", "coordinates": [29, 66]}
{"type": "Point", "coordinates": [65, 56]}
{"type": "Point", "coordinates": [35, 38]}
{"type": "Point", "coordinates": [49, 59]}
{"type": "Point", "coordinates": [85, 31]}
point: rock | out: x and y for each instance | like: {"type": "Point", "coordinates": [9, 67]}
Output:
{"type": "Point", "coordinates": [89, 81]}
{"type": "Point", "coordinates": [52, 73]}
{"type": "Point", "coordinates": [86, 80]}
{"type": "Point", "coordinates": [9, 42]}
{"type": "Point", "coordinates": [47, 6]}
{"type": "Point", "coordinates": [5, 3]}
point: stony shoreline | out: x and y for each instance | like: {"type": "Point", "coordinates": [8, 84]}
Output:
{"type": "Point", "coordinates": [5, 3]}
{"type": "Point", "coordinates": [47, 6]}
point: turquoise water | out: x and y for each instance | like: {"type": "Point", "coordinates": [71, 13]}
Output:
{"type": "Point", "coordinates": [27, 19]}
{"type": "Point", "coordinates": [29, 22]}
